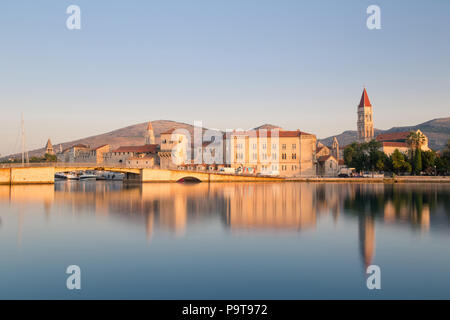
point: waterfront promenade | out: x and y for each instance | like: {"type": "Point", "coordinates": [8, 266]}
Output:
{"type": "Point", "coordinates": [45, 172]}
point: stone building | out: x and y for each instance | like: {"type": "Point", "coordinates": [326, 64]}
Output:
{"type": "Point", "coordinates": [399, 140]}
{"type": "Point", "coordinates": [81, 153]}
{"type": "Point", "coordinates": [97, 155]}
{"type": "Point", "coordinates": [124, 153]}
{"type": "Point", "coordinates": [327, 166]}
{"type": "Point", "coordinates": [142, 161]}
{"type": "Point", "coordinates": [174, 149]}
{"type": "Point", "coordinates": [365, 119]}
{"type": "Point", "coordinates": [76, 153]}
{"type": "Point", "coordinates": [328, 159]}
{"type": "Point", "coordinates": [272, 152]}
{"type": "Point", "coordinates": [322, 150]}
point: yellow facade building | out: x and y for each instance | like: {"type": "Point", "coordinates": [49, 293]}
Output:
{"type": "Point", "coordinates": [273, 152]}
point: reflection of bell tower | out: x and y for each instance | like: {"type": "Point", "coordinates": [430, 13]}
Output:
{"type": "Point", "coordinates": [365, 119]}
{"type": "Point", "coordinates": [366, 239]}
{"type": "Point", "coordinates": [149, 221]}
{"type": "Point", "coordinates": [149, 136]}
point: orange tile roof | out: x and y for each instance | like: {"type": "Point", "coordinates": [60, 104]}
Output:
{"type": "Point", "coordinates": [268, 133]}
{"type": "Point", "coordinates": [393, 136]}
{"type": "Point", "coordinates": [148, 148]}
{"type": "Point", "coordinates": [365, 102]}
{"type": "Point", "coordinates": [103, 145]}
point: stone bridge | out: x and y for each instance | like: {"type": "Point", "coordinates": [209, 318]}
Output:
{"type": "Point", "coordinates": [45, 173]}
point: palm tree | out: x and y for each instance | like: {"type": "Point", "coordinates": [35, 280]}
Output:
{"type": "Point", "coordinates": [415, 140]}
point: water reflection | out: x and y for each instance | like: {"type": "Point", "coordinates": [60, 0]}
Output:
{"type": "Point", "coordinates": [241, 207]}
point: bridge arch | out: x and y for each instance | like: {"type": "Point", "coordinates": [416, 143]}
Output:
{"type": "Point", "coordinates": [189, 179]}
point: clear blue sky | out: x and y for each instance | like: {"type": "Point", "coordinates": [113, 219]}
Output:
{"type": "Point", "coordinates": [231, 64]}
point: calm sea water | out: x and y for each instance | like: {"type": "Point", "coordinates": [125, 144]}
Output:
{"type": "Point", "coordinates": [214, 241]}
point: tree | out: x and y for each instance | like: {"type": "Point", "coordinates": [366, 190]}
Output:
{"type": "Point", "coordinates": [446, 152]}
{"type": "Point", "coordinates": [375, 155]}
{"type": "Point", "coordinates": [417, 161]}
{"type": "Point", "coordinates": [428, 160]}
{"type": "Point", "coordinates": [365, 156]}
{"type": "Point", "coordinates": [380, 165]}
{"type": "Point", "coordinates": [399, 164]}
{"type": "Point", "coordinates": [383, 163]}
{"type": "Point", "coordinates": [355, 157]}
{"type": "Point", "coordinates": [415, 140]}
{"type": "Point", "coordinates": [50, 157]}
{"type": "Point", "coordinates": [442, 165]}
{"type": "Point", "coordinates": [349, 153]}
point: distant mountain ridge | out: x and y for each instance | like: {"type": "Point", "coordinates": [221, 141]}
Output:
{"type": "Point", "coordinates": [437, 131]}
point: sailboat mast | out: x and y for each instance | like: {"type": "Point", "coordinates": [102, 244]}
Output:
{"type": "Point", "coordinates": [23, 140]}
{"type": "Point", "coordinates": [25, 157]}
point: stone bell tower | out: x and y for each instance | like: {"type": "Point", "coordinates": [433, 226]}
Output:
{"type": "Point", "coordinates": [149, 136]}
{"type": "Point", "coordinates": [335, 149]}
{"type": "Point", "coordinates": [365, 119]}
{"type": "Point", "coordinates": [49, 148]}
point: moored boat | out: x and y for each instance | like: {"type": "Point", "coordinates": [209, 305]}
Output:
{"type": "Point", "coordinates": [72, 176]}
{"type": "Point", "coordinates": [88, 176]}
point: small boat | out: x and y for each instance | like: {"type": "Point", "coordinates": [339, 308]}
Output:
{"type": "Point", "coordinates": [60, 176]}
{"type": "Point", "coordinates": [87, 176]}
{"type": "Point", "coordinates": [66, 176]}
{"type": "Point", "coordinates": [99, 175]}
{"type": "Point", "coordinates": [72, 176]}
{"type": "Point", "coordinates": [115, 176]}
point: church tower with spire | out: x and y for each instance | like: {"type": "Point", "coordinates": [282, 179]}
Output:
{"type": "Point", "coordinates": [49, 148]}
{"type": "Point", "coordinates": [149, 136]}
{"type": "Point", "coordinates": [365, 119]}
{"type": "Point", "coordinates": [335, 149]}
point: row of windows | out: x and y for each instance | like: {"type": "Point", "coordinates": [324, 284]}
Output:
{"type": "Point", "coordinates": [122, 153]}
{"type": "Point", "coordinates": [284, 167]}
{"type": "Point", "coordinates": [137, 162]}
{"type": "Point", "coordinates": [283, 146]}
{"type": "Point", "coordinates": [240, 156]}
{"type": "Point", "coordinates": [284, 156]}
{"type": "Point", "coordinates": [264, 146]}
{"type": "Point", "coordinates": [274, 167]}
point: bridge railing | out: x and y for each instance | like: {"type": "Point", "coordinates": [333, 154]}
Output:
{"type": "Point", "coordinates": [106, 166]}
